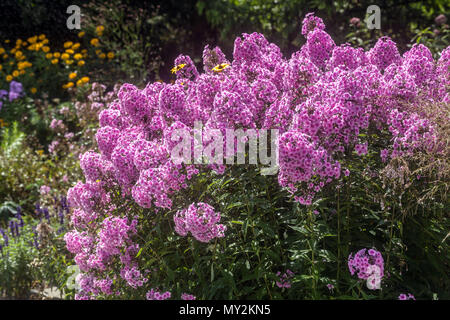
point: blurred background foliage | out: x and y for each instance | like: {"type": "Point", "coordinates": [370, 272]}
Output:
{"type": "Point", "coordinates": [148, 35]}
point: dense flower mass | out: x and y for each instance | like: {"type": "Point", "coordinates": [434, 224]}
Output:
{"type": "Point", "coordinates": [155, 295]}
{"type": "Point", "coordinates": [321, 99]}
{"type": "Point", "coordinates": [369, 265]}
{"type": "Point", "coordinates": [201, 220]}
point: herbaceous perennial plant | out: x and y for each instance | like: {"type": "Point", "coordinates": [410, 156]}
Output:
{"type": "Point", "coordinates": [320, 99]}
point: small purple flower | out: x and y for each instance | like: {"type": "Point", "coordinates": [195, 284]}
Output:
{"type": "Point", "coordinates": [402, 297]}
{"type": "Point", "coordinates": [3, 94]}
{"type": "Point", "coordinates": [15, 90]}
{"type": "Point", "coordinates": [440, 19]}
{"type": "Point", "coordinates": [355, 22]}
{"type": "Point", "coordinates": [5, 237]}
{"type": "Point", "coordinates": [19, 217]}
{"type": "Point", "coordinates": [186, 296]}
{"type": "Point", "coordinates": [46, 214]}
{"type": "Point", "coordinates": [285, 279]}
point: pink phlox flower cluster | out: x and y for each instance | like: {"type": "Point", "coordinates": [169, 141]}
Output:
{"type": "Point", "coordinates": [284, 279]}
{"type": "Point", "coordinates": [310, 23]}
{"type": "Point", "coordinates": [189, 71]}
{"type": "Point", "coordinates": [156, 295]}
{"type": "Point", "coordinates": [186, 296]}
{"type": "Point", "coordinates": [369, 265]}
{"type": "Point", "coordinates": [404, 296]}
{"type": "Point", "coordinates": [201, 220]}
{"type": "Point", "coordinates": [213, 58]}
{"type": "Point", "coordinates": [323, 99]}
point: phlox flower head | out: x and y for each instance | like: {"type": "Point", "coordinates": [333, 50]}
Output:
{"type": "Point", "coordinates": [310, 23]}
{"type": "Point", "coordinates": [284, 280]}
{"type": "Point", "coordinates": [368, 264]}
{"type": "Point", "coordinates": [201, 220]}
{"type": "Point", "coordinates": [404, 296]}
{"type": "Point", "coordinates": [186, 296]}
{"type": "Point", "coordinates": [156, 295]}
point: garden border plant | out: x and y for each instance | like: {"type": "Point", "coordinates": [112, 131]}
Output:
{"type": "Point", "coordinates": [343, 115]}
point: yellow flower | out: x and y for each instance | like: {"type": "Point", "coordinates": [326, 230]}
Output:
{"type": "Point", "coordinates": [49, 55]}
{"type": "Point", "coordinates": [94, 42]}
{"type": "Point", "coordinates": [65, 56]}
{"type": "Point", "coordinates": [2, 124]}
{"type": "Point", "coordinates": [46, 49]}
{"type": "Point", "coordinates": [1, 67]}
{"type": "Point", "coordinates": [110, 55]}
{"type": "Point", "coordinates": [32, 39]}
{"type": "Point", "coordinates": [22, 72]}
{"type": "Point", "coordinates": [220, 67]}
{"type": "Point", "coordinates": [68, 85]}
{"type": "Point", "coordinates": [45, 41]}
{"type": "Point", "coordinates": [99, 30]}
{"type": "Point", "coordinates": [40, 152]}
{"type": "Point", "coordinates": [15, 73]}
{"type": "Point", "coordinates": [69, 62]}
{"type": "Point", "coordinates": [5, 56]}
{"type": "Point", "coordinates": [13, 50]}
{"type": "Point", "coordinates": [72, 75]}
{"type": "Point", "coordinates": [41, 37]}
{"type": "Point", "coordinates": [54, 61]}
{"type": "Point", "coordinates": [18, 54]}
{"type": "Point", "coordinates": [9, 78]}
{"type": "Point", "coordinates": [33, 90]}
{"type": "Point", "coordinates": [70, 51]}
{"type": "Point", "coordinates": [76, 46]}
{"type": "Point", "coordinates": [81, 34]}
{"type": "Point", "coordinates": [84, 51]}
{"type": "Point", "coordinates": [81, 63]}
{"type": "Point", "coordinates": [32, 47]}
{"type": "Point", "coordinates": [68, 44]}
{"type": "Point", "coordinates": [2, 51]}
{"type": "Point", "coordinates": [85, 79]}
{"type": "Point", "coordinates": [7, 41]}
{"type": "Point", "coordinates": [102, 56]}
{"type": "Point", "coordinates": [98, 51]}
{"type": "Point", "coordinates": [57, 54]}
{"type": "Point", "coordinates": [79, 83]}
{"type": "Point", "coordinates": [178, 68]}
{"type": "Point", "coordinates": [78, 56]}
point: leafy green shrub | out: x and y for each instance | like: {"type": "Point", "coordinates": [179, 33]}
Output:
{"type": "Point", "coordinates": [21, 168]}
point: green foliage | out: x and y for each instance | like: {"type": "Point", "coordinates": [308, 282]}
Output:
{"type": "Point", "coordinates": [16, 270]}
{"type": "Point", "coordinates": [137, 34]}
{"type": "Point", "coordinates": [35, 259]}
{"type": "Point", "coordinates": [29, 115]}
{"type": "Point", "coordinates": [21, 169]}
{"type": "Point", "coordinates": [267, 233]}
{"type": "Point", "coordinates": [281, 21]}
